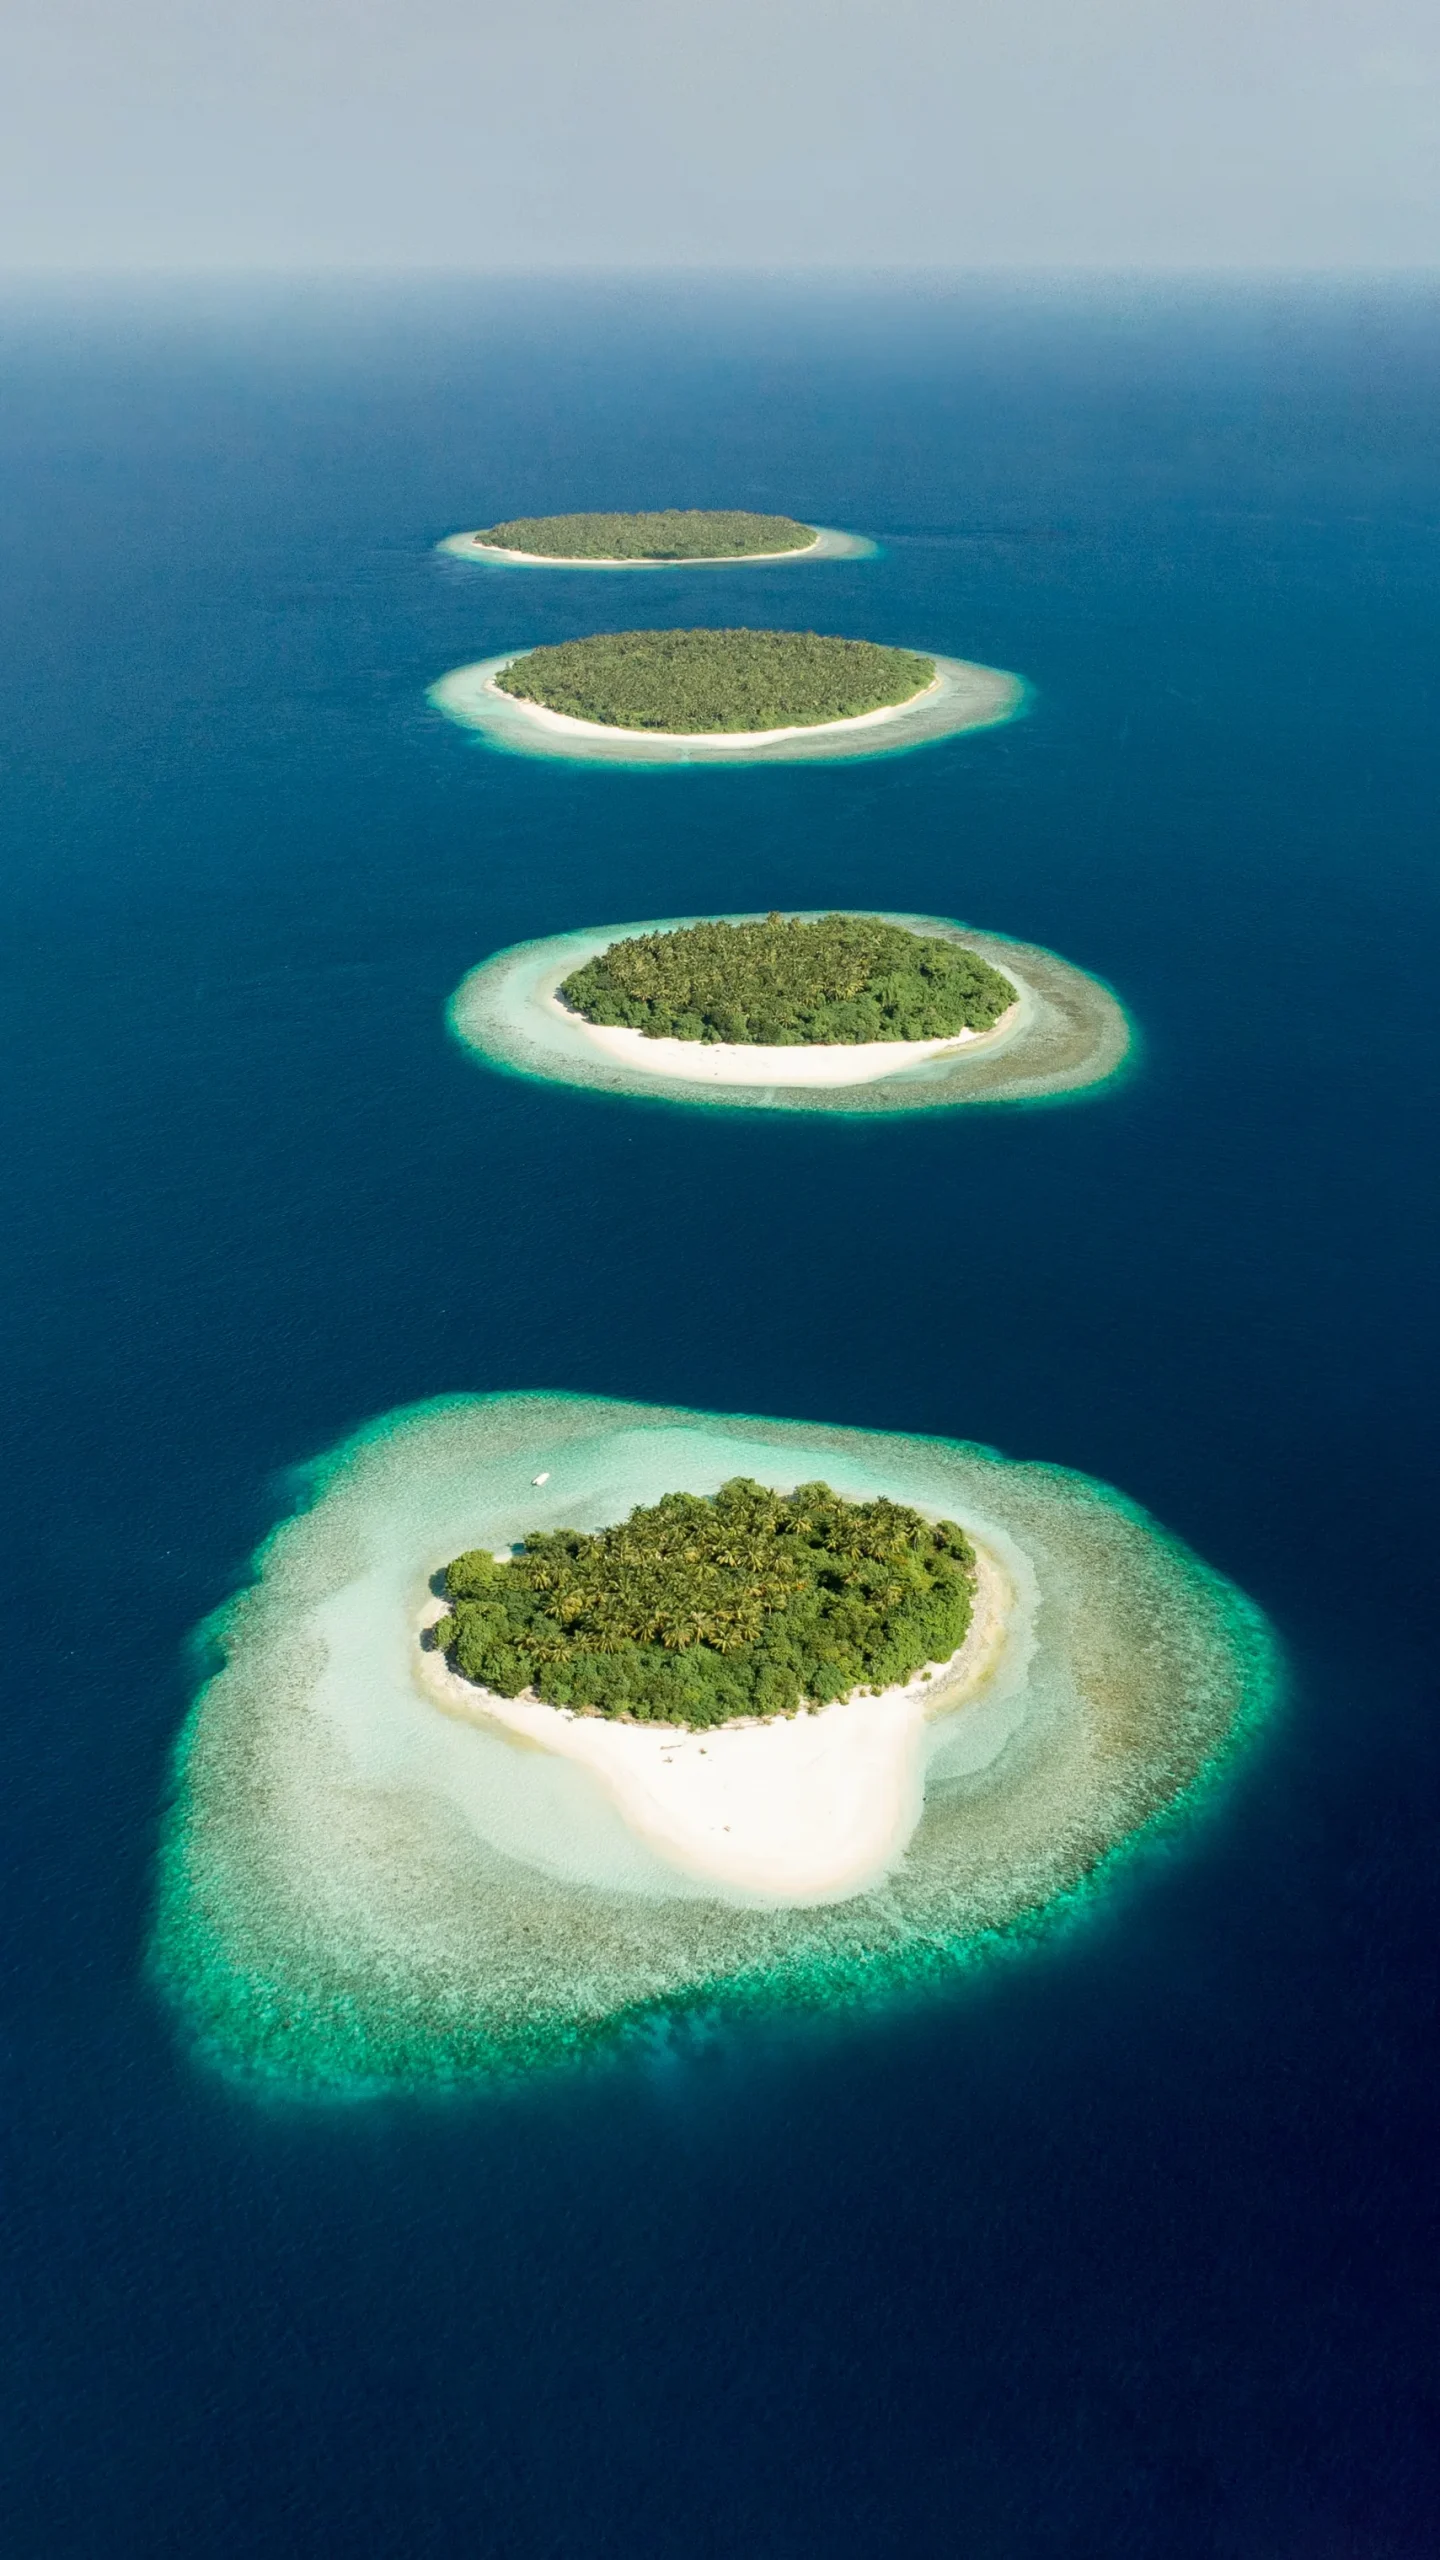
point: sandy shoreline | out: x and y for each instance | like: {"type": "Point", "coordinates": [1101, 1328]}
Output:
{"type": "Point", "coordinates": [806, 1808]}
{"type": "Point", "coordinates": [812, 1063]}
{"type": "Point", "coordinates": [829, 543]}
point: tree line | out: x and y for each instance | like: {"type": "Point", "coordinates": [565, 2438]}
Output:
{"type": "Point", "coordinates": [690, 682]}
{"type": "Point", "coordinates": [667, 533]}
{"type": "Point", "coordinates": [790, 980]}
{"type": "Point", "coordinates": [701, 1608]}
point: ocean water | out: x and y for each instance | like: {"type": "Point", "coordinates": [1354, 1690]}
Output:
{"type": "Point", "coordinates": [1125, 2243]}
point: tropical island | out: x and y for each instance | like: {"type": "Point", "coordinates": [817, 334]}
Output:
{"type": "Point", "coordinates": [790, 981]}
{"type": "Point", "coordinates": [699, 1609]}
{"type": "Point", "coordinates": [376, 1872]}
{"type": "Point", "coordinates": [852, 1013]}
{"type": "Point", "coordinates": [667, 533]}
{"type": "Point", "coordinates": [710, 683]}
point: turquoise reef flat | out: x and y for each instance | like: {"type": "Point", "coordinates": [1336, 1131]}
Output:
{"type": "Point", "coordinates": [358, 1890]}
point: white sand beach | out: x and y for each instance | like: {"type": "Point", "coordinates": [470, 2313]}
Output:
{"type": "Point", "coordinates": [802, 1809]}
{"type": "Point", "coordinates": [743, 1063]}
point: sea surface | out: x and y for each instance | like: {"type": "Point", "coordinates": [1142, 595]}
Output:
{"type": "Point", "coordinates": [1126, 2243]}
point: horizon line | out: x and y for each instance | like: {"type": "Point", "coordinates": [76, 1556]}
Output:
{"type": "Point", "coordinates": [595, 271]}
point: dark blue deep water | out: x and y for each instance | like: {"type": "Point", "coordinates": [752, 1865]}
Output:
{"type": "Point", "coordinates": [1124, 2249]}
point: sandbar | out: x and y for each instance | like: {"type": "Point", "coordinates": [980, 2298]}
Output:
{"type": "Point", "coordinates": [796, 1809]}
{"type": "Point", "coordinates": [829, 544]}
{"type": "Point", "coordinates": [959, 696]}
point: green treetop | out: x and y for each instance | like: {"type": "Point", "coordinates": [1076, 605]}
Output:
{"type": "Point", "coordinates": [671, 533]}
{"type": "Point", "coordinates": [690, 682]}
{"type": "Point", "coordinates": [790, 980]}
{"type": "Point", "coordinates": [705, 1607]}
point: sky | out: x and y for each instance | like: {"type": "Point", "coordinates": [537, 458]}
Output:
{"type": "Point", "coordinates": [484, 134]}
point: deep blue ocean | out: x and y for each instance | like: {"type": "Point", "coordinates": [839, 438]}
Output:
{"type": "Point", "coordinates": [1124, 2248]}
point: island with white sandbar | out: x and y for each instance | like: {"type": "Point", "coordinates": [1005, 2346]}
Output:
{"type": "Point", "coordinates": [748, 1674]}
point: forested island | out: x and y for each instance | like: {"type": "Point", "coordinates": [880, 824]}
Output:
{"type": "Point", "coordinates": [670, 533]}
{"type": "Point", "coordinates": [790, 981]}
{"type": "Point", "coordinates": [690, 683]}
{"type": "Point", "coordinates": [701, 1608]}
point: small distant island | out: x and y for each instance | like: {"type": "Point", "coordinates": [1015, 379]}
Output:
{"type": "Point", "coordinates": [788, 981]}
{"type": "Point", "coordinates": [702, 1608]}
{"type": "Point", "coordinates": [670, 533]}
{"type": "Point", "coordinates": [695, 683]}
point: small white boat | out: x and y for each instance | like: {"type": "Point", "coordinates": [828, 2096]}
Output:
{"type": "Point", "coordinates": [542, 1479]}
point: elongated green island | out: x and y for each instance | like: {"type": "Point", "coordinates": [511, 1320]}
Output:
{"type": "Point", "coordinates": [666, 533]}
{"type": "Point", "coordinates": [701, 1608]}
{"type": "Point", "coordinates": [790, 981]}
{"type": "Point", "coordinates": [694, 683]}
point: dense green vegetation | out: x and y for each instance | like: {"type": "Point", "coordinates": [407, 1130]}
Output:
{"type": "Point", "coordinates": [790, 980]}
{"type": "Point", "coordinates": [673, 533]}
{"type": "Point", "coordinates": [741, 1603]}
{"type": "Point", "coordinates": [693, 681]}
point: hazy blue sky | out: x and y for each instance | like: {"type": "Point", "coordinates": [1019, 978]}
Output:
{"type": "Point", "coordinates": [403, 133]}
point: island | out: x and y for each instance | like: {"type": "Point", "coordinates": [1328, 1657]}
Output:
{"type": "Point", "coordinates": [790, 982]}
{"type": "Point", "coordinates": [834, 1012]}
{"type": "Point", "coordinates": [707, 683]}
{"type": "Point", "coordinates": [666, 534]}
{"type": "Point", "coordinates": [381, 1872]}
{"type": "Point", "coordinates": [691, 697]}
{"type": "Point", "coordinates": [674, 538]}
{"type": "Point", "coordinates": [703, 1607]}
